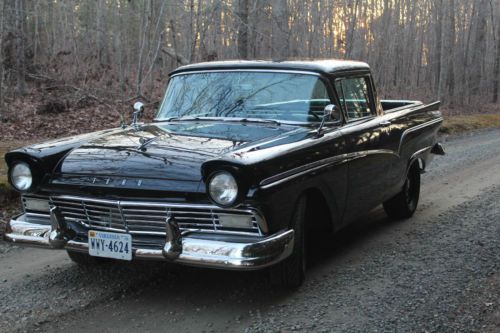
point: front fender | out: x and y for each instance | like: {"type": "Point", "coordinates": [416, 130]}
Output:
{"type": "Point", "coordinates": [278, 202]}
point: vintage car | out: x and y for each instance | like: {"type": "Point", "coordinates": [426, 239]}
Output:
{"type": "Point", "coordinates": [242, 161]}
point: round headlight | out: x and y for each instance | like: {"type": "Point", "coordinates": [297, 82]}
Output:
{"type": "Point", "coordinates": [21, 177]}
{"type": "Point", "coordinates": [223, 188]}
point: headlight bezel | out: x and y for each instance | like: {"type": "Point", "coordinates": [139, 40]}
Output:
{"type": "Point", "coordinates": [237, 195]}
{"type": "Point", "coordinates": [12, 181]}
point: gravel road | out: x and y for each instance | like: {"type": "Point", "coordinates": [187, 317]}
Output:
{"type": "Point", "coordinates": [438, 272]}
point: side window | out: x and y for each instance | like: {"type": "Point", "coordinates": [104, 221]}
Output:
{"type": "Point", "coordinates": [354, 97]}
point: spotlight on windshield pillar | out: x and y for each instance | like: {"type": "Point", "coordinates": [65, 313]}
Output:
{"type": "Point", "coordinates": [138, 111]}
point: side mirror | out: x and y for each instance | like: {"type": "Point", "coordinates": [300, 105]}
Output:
{"type": "Point", "coordinates": [334, 112]}
{"type": "Point", "coordinates": [329, 113]}
{"type": "Point", "coordinates": [138, 110]}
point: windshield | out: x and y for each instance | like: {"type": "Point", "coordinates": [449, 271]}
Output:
{"type": "Point", "coordinates": [261, 95]}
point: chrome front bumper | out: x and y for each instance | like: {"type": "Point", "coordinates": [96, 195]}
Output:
{"type": "Point", "coordinates": [190, 250]}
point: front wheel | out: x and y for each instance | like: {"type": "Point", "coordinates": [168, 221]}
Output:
{"type": "Point", "coordinates": [404, 204]}
{"type": "Point", "coordinates": [290, 273]}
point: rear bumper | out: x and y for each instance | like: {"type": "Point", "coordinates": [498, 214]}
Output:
{"type": "Point", "coordinates": [236, 255]}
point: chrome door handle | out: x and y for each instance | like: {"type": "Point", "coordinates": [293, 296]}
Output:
{"type": "Point", "coordinates": [385, 123]}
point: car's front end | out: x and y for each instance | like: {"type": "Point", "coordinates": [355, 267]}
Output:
{"type": "Point", "coordinates": [186, 188]}
{"type": "Point", "coordinates": [187, 233]}
{"type": "Point", "coordinates": [86, 197]}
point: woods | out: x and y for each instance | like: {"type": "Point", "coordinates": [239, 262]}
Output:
{"type": "Point", "coordinates": [113, 51]}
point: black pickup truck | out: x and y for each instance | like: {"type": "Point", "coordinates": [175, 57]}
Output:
{"type": "Point", "coordinates": [242, 161]}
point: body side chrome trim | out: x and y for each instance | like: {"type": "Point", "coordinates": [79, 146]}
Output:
{"type": "Point", "coordinates": [314, 166]}
{"type": "Point", "coordinates": [421, 162]}
{"type": "Point", "coordinates": [416, 128]}
{"type": "Point", "coordinates": [420, 151]}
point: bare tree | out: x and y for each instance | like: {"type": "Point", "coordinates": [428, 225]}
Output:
{"type": "Point", "coordinates": [2, 20]}
{"type": "Point", "coordinates": [20, 43]}
{"type": "Point", "coordinates": [242, 15]}
{"type": "Point", "coordinates": [479, 47]}
{"type": "Point", "coordinates": [121, 49]}
{"type": "Point", "coordinates": [496, 72]}
{"type": "Point", "coordinates": [280, 32]}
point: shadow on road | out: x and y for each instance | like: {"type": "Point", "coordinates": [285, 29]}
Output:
{"type": "Point", "coordinates": [160, 278]}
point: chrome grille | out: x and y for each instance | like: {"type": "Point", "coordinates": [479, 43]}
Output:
{"type": "Point", "coordinates": [149, 217]}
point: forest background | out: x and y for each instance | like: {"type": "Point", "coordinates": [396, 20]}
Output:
{"type": "Point", "coordinates": [69, 66]}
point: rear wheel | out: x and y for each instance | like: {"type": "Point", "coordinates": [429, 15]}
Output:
{"type": "Point", "coordinates": [404, 204]}
{"type": "Point", "coordinates": [290, 273]}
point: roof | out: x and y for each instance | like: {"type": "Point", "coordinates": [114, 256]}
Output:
{"type": "Point", "coordinates": [320, 66]}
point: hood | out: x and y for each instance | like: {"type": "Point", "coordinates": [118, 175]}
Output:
{"type": "Point", "coordinates": [170, 151]}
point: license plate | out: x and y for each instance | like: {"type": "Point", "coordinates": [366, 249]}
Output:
{"type": "Point", "coordinates": [110, 245]}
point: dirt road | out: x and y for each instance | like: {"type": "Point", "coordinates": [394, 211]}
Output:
{"type": "Point", "coordinates": [439, 271]}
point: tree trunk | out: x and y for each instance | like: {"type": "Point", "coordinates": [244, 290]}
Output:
{"type": "Point", "coordinates": [466, 68]}
{"type": "Point", "coordinates": [101, 25]}
{"type": "Point", "coordinates": [439, 41]}
{"type": "Point", "coordinates": [242, 26]}
{"type": "Point", "coordinates": [496, 72]}
{"type": "Point", "coordinates": [479, 48]}
{"type": "Point", "coordinates": [352, 28]}
{"type": "Point", "coordinates": [280, 34]}
{"type": "Point", "coordinates": [450, 40]}
{"type": "Point", "coordinates": [20, 57]}
{"type": "Point", "coordinates": [443, 59]}
{"type": "Point", "coordinates": [143, 36]}
{"type": "Point", "coordinates": [2, 30]}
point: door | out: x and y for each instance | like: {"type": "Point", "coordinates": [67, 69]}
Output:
{"type": "Point", "coordinates": [369, 162]}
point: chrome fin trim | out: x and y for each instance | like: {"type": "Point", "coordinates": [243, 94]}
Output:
{"type": "Point", "coordinates": [416, 128]}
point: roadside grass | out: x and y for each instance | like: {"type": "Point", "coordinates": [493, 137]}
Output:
{"type": "Point", "coordinates": [462, 123]}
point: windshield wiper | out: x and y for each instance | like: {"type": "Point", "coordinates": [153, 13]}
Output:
{"type": "Point", "coordinates": [226, 119]}
{"type": "Point", "coordinates": [182, 119]}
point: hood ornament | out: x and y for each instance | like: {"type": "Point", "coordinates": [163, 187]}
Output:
{"type": "Point", "coordinates": [138, 111]}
